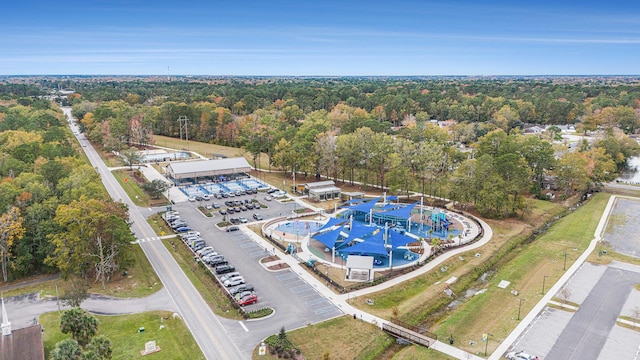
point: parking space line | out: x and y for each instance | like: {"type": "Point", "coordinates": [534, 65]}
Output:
{"type": "Point", "coordinates": [326, 309]}
{"type": "Point", "coordinates": [317, 301]}
{"type": "Point", "coordinates": [300, 288]}
{"type": "Point", "coordinates": [243, 326]}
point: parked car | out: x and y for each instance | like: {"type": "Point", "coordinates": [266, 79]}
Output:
{"type": "Point", "coordinates": [232, 228]}
{"type": "Point", "coordinates": [228, 276]}
{"type": "Point", "coordinates": [249, 206]}
{"type": "Point", "coordinates": [272, 190]}
{"type": "Point", "coordinates": [208, 206]}
{"type": "Point", "coordinates": [208, 252]}
{"type": "Point", "coordinates": [240, 288]}
{"type": "Point", "coordinates": [243, 220]}
{"type": "Point", "coordinates": [268, 197]}
{"type": "Point", "coordinates": [191, 198]}
{"type": "Point", "coordinates": [223, 269]}
{"type": "Point", "coordinates": [213, 258]}
{"type": "Point", "coordinates": [199, 252]}
{"type": "Point", "coordinates": [248, 300]}
{"type": "Point", "coordinates": [234, 281]}
{"type": "Point", "coordinates": [237, 209]}
{"type": "Point", "coordinates": [183, 229]}
{"type": "Point", "coordinates": [223, 212]}
{"type": "Point", "coordinates": [216, 206]}
{"type": "Point", "coordinates": [218, 262]}
{"type": "Point", "coordinates": [242, 294]}
{"type": "Point", "coordinates": [258, 217]}
{"type": "Point", "coordinates": [190, 233]}
{"type": "Point", "coordinates": [520, 355]}
{"type": "Point", "coordinates": [199, 246]}
{"type": "Point", "coordinates": [230, 211]}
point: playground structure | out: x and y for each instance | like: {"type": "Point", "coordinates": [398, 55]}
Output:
{"type": "Point", "coordinates": [395, 235]}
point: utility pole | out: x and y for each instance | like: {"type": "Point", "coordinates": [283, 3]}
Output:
{"type": "Point", "coordinates": [184, 122]}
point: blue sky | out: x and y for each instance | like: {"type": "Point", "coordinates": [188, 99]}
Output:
{"type": "Point", "coordinates": [328, 37]}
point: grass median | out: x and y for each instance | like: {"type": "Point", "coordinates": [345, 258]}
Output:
{"type": "Point", "coordinates": [201, 278]}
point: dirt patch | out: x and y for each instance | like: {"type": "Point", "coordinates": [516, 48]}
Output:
{"type": "Point", "coordinates": [269, 259]}
{"type": "Point", "coordinates": [278, 266]}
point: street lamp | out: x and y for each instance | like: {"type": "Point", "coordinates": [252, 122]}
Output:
{"type": "Point", "coordinates": [485, 338]}
{"type": "Point", "coordinates": [543, 282]}
{"type": "Point", "coordinates": [519, 306]}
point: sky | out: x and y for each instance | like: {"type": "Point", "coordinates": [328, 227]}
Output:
{"type": "Point", "coordinates": [320, 38]}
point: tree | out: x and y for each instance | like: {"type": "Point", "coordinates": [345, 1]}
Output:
{"type": "Point", "coordinates": [101, 346]}
{"type": "Point", "coordinates": [572, 173]}
{"type": "Point", "coordinates": [155, 188]}
{"type": "Point", "coordinates": [131, 156]}
{"type": "Point", "coordinates": [82, 325]}
{"type": "Point", "coordinates": [95, 236]}
{"type": "Point", "coordinates": [75, 293]}
{"type": "Point", "coordinates": [11, 229]}
{"type": "Point", "coordinates": [67, 349]}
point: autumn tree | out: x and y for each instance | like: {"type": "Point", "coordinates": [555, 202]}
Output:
{"type": "Point", "coordinates": [95, 236]}
{"type": "Point", "coordinates": [11, 230]}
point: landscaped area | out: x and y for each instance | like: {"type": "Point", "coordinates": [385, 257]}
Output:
{"type": "Point", "coordinates": [170, 334]}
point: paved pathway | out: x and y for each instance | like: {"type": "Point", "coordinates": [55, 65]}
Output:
{"type": "Point", "coordinates": [23, 310]}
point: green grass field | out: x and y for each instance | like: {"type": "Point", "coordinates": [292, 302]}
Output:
{"type": "Point", "coordinates": [135, 193]}
{"type": "Point", "coordinates": [496, 310]}
{"type": "Point", "coordinates": [174, 340]}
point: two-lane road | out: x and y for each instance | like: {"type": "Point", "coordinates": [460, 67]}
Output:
{"type": "Point", "coordinates": [204, 325]}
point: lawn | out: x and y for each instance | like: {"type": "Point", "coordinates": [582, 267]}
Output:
{"type": "Point", "coordinates": [208, 150]}
{"type": "Point", "coordinates": [347, 338]}
{"type": "Point", "coordinates": [135, 193]}
{"type": "Point", "coordinates": [174, 338]}
{"type": "Point", "coordinates": [140, 281]}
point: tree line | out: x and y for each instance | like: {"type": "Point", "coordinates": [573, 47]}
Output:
{"type": "Point", "coordinates": [55, 215]}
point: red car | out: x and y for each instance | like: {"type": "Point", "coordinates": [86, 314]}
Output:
{"type": "Point", "coordinates": [248, 300]}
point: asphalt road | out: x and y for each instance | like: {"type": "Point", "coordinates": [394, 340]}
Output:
{"type": "Point", "coordinates": [207, 330]}
{"type": "Point", "coordinates": [586, 333]}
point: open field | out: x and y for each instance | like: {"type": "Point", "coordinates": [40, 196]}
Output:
{"type": "Point", "coordinates": [208, 150]}
{"type": "Point", "coordinates": [174, 340]}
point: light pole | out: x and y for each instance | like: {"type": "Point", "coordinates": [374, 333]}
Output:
{"type": "Point", "coordinates": [564, 267]}
{"type": "Point", "coordinates": [519, 306]}
{"type": "Point", "coordinates": [485, 338]}
{"type": "Point", "coordinates": [543, 281]}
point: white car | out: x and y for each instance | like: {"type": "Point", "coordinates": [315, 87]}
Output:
{"type": "Point", "coordinates": [520, 355]}
{"type": "Point", "coordinates": [278, 194]}
{"type": "Point", "coordinates": [234, 281]}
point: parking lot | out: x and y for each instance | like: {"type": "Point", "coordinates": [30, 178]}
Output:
{"type": "Point", "coordinates": [296, 303]}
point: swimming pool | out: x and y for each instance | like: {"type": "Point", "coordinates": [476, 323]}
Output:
{"type": "Point", "coordinates": [299, 227]}
{"type": "Point", "coordinates": [165, 156]}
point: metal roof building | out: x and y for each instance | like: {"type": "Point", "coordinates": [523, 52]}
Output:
{"type": "Point", "coordinates": [206, 168]}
